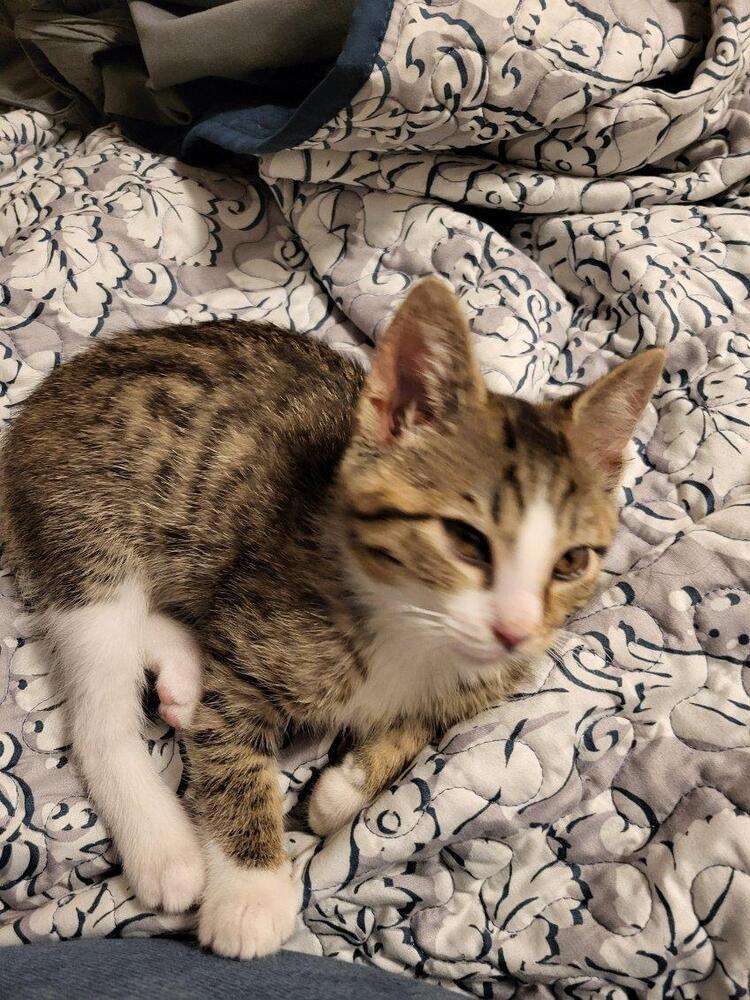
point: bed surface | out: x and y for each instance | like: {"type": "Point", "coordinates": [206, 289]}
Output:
{"type": "Point", "coordinates": [590, 838]}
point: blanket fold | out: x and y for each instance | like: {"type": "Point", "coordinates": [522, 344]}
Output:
{"type": "Point", "coordinates": [149, 61]}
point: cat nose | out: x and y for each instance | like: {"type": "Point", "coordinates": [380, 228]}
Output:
{"type": "Point", "coordinates": [508, 638]}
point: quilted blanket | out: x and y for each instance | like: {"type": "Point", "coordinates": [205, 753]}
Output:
{"type": "Point", "coordinates": [580, 172]}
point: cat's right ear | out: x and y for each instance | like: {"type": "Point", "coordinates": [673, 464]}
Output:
{"type": "Point", "coordinates": [424, 370]}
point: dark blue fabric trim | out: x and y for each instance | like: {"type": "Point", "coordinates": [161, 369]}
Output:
{"type": "Point", "coordinates": [273, 124]}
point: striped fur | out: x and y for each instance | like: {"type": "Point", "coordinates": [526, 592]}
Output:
{"type": "Point", "coordinates": [326, 538]}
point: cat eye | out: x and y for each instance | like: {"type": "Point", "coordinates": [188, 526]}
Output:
{"type": "Point", "coordinates": [383, 554]}
{"type": "Point", "coordinates": [572, 563]}
{"type": "Point", "coordinates": [471, 545]}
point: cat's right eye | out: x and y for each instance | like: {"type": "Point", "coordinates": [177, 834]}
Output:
{"type": "Point", "coordinates": [469, 543]}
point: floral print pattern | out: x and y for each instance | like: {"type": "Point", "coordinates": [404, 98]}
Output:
{"type": "Point", "coordinates": [581, 174]}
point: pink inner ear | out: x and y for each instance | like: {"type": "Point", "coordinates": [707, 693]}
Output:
{"type": "Point", "coordinates": [403, 398]}
{"type": "Point", "coordinates": [410, 399]}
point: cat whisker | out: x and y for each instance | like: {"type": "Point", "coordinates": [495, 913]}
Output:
{"type": "Point", "coordinates": [443, 624]}
{"type": "Point", "coordinates": [414, 609]}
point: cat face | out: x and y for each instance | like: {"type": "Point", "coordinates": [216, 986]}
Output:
{"type": "Point", "coordinates": [479, 518]}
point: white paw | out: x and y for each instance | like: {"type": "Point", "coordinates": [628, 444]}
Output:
{"type": "Point", "coordinates": [176, 705]}
{"type": "Point", "coordinates": [174, 654]}
{"type": "Point", "coordinates": [168, 873]}
{"type": "Point", "coordinates": [249, 914]}
{"type": "Point", "coordinates": [336, 798]}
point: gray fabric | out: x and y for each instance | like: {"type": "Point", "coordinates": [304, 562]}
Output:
{"type": "Point", "coordinates": [19, 80]}
{"type": "Point", "coordinates": [52, 50]}
{"type": "Point", "coordinates": [71, 43]}
{"type": "Point", "coordinates": [160, 969]}
{"type": "Point", "coordinates": [129, 94]}
{"type": "Point", "coordinates": [245, 35]}
{"type": "Point", "coordinates": [79, 58]}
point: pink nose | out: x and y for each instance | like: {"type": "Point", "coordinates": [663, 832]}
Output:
{"type": "Point", "coordinates": [507, 638]}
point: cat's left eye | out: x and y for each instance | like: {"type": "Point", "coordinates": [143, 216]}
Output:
{"type": "Point", "coordinates": [470, 544]}
{"type": "Point", "coordinates": [572, 563]}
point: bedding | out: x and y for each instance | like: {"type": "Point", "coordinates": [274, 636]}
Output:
{"type": "Point", "coordinates": [581, 174]}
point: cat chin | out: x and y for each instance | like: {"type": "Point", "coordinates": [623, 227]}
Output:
{"type": "Point", "coordinates": [490, 658]}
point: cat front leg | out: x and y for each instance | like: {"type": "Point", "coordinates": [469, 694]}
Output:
{"type": "Point", "coordinates": [342, 791]}
{"type": "Point", "coordinates": [251, 901]}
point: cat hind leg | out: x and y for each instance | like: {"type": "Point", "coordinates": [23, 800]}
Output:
{"type": "Point", "coordinates": [100, 656]}
{"type": "Point", "coordinates": [174, 655]}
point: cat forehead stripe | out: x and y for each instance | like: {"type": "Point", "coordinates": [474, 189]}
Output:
{"type": "Point", "coordinates": [389, 514]}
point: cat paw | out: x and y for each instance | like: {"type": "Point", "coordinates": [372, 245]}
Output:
{"type": "Point", "coordinates": [336, 798]}
{"type": "Point", "coordinates": [172, 651]}
{"type": "Point", "coordinates": [250, 915]}
{"type": "Point", "coordinates": [170, 877]}
{"type": "Point", "coordinates": [178, 702]}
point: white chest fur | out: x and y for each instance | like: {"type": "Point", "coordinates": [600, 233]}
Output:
{"type": "Point", "coordinates": [409, 671]}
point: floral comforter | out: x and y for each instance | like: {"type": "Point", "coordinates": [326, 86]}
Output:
{"type": "Point", "coordinates": [581, 174]}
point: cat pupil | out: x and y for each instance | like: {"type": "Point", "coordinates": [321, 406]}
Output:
{"type": "Point", "coordinates": [470, 543]}
{"type": "Point", "coordinates": [573, 563]}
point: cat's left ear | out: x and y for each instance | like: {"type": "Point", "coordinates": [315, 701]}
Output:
{"type": "Point", "coordinates": [424, 370]}
{"type": "Point", "coordinates": [602, 418]}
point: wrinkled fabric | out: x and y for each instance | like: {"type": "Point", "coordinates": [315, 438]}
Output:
{"type": "Point", "coordinates": [581, 175]}
{"type": "Point", "coordinates": [235, 38]}
{"type": "Point", "coordinates": [127, 58]}
{"type": "Point", "coordinates": [53, 47]}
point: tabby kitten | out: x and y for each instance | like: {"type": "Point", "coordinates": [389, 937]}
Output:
{"type": "Point", "coordinates": [285, 540]}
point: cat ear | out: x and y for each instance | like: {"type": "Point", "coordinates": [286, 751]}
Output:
{"type": "Point", "coordinates": [423, 370]}
{"type": "Point", "coordinates": [603, 417]}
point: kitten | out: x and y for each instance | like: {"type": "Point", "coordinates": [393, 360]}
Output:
{"type": "Point", "coordinates": [286, 540]}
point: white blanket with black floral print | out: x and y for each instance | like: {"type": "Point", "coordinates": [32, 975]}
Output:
{"type": "Point", "coordinates": [581, 174]}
